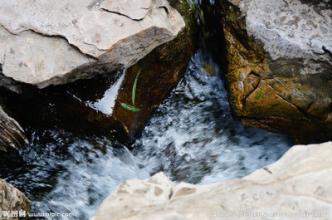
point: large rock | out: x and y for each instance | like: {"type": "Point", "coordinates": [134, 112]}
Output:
{"type": "Point", "coordinates": [279, 72]}
{"type": "Point", "coordinates": [14, 204]}
{"type": "Point", "coordinates": [298, 186]}
{"type": "Point", "coordinates": [11, 133]}
{"type": "Point", "coordinates": [45, 42]}
{"type": "Point", "coordinates": [160, 71]}
{"type": "Point", "coordinates": [97, 105]}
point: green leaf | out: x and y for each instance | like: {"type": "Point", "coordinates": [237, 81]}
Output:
{"type": "Point", "coordinates": [130, 107]}
{"type": "Point", "coordinates": [133, 91]}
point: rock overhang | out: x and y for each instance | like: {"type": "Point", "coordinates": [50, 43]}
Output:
{"type": "Point", "coordinates": [47, 42]}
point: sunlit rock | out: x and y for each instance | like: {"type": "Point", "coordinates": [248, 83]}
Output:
{"type": "Point", "coordinates": [295, 187]}
{"type": "Point", "coordinates": [53, 42]}
{"type": "Point", "coordinates": [152, 39]}
{"type": "Point", "coordinates": [279, 56]}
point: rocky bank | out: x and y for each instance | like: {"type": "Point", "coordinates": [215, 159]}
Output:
{"type": "Point", "coordinates": [295, 187]}
{"type": "Point", "coordinates": [104, 66]}
{"type": "Point", "coordinates": [279, 61]}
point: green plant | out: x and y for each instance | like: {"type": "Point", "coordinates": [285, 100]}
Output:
{"type": "Point", "coordinates": [131, 107]}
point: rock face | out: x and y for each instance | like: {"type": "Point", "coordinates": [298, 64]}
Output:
{"type": "Point", "coordinates": [98, 104]}
{"type": "Point", "coordinates": [11, 133]}
{"type": "Point", "coordinates": [279, 56]}
{"type": "Point", "coordinates": [159, 72]}
{"type": "Point", "coordinates": [295, 187]}
{"type": "Point", "coordinates": [13, 203]}
{"type": "Point", "coordinates": [50, 42]}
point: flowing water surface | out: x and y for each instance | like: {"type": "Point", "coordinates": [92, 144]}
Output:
{"type": "Point", "coordinates": [192, 137]}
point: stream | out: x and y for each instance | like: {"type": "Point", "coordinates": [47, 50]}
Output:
{"type": "Point", "coordinates": [191, 137]}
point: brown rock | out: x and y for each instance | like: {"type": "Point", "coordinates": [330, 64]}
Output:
{"type": "Point", "coordinates": [11, 133]}
{"type": "Point", "coordinates": [12, 201]}
{"type": "Point", "coordinates": [160, 71]}
{"type": "Point", "coordinates": [280, 88]}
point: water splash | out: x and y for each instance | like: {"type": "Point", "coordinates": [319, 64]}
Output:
{"type": "Point", "coordinates": [107, 102]}
{"type": "Point", "coordinates": [192, 137]}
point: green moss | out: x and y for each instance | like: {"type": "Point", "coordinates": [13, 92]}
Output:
{"type": "Point", "coordinates": [259, 94]}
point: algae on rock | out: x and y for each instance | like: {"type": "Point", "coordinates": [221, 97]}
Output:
{"type": "Point", "coordinates": [284, 89]}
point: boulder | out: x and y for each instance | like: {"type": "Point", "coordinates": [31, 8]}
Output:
{"type": "Point", "coordinates": [14, 204]}
{"type": "Point", "coordinates": [295, 187]}
{"type": "Point", "coordinates": [45, 42]}
{"type": "Point", "coordinates": [157, 73]}
{"type": "Point", "coordinates": [11, 133]}
{"type": "Point", "coordinates": [106, 103]}
{"type": "Point", "coordinates": [279, 56]}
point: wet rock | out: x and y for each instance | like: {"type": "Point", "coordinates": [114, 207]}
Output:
{"type": "Point", "coordinates": [46, 42]}
{"type": "Point", "coordinates": [279, 65]}
{"type": "Point", "coordinates": [159, 72]}
{"type": "Point", "coordinates": [13, 203]}
{"type": "Point", "coordinates": [297, 186]}
{"type": "Point", "coordinates": [11, 133]}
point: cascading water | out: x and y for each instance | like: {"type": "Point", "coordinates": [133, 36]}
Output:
{"type": "Point", "coordinates": [192, 137]}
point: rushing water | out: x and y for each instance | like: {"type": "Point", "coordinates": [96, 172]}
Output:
{"type": "Point", "coordinates": [192, 137]}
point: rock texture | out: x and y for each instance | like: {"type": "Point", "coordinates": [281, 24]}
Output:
{"type": "Point", "coordinates": [295, 187]}
{"type": "Point", "coordinates": [279, 56]}
{"type": "Point", "coordinates": [14, 204]}
{"type": "Point", "coordinates": [45, 42]}
{"type": "Point", "coordinates": [96, 105]}
{"type": "Point", "coordinates": [159, 72]}
{"type": "Point", "coordinates": [11, 133]}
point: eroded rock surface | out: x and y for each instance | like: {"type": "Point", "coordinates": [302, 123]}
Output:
{"type": "Point", "coordinates": [12, 201]}
{"type": "Point", "coordinates": [96, 105]}
{"type": "Point", "coordinates": [295, 187]}
{"type": "Point", "coordinates": [52, 42]}
{"type": "Point", "coordinates": [11, 133]}
{"type": "Point", "coordinates": [280, 65]}
{"type": "Point", "coordinates": [159, 72]}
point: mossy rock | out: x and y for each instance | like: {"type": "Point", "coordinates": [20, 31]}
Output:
{"type": "Point", "coordinates": [272, 93]}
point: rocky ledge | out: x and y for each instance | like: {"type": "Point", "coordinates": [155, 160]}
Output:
{"type": "Point", "coordinates": [53, 42]}
{"type": "Point", "coordinates": [279, 56]}
{"type": "Point", "coordinates": [295, 187]}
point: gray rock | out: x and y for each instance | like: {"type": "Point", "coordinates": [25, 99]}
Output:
{"type": "Point", "coordinates": [292, 29]}
{"type": "Point", "coordinates": [298, 186]}
{"type": "Point", "coordinates": [45, 42]}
